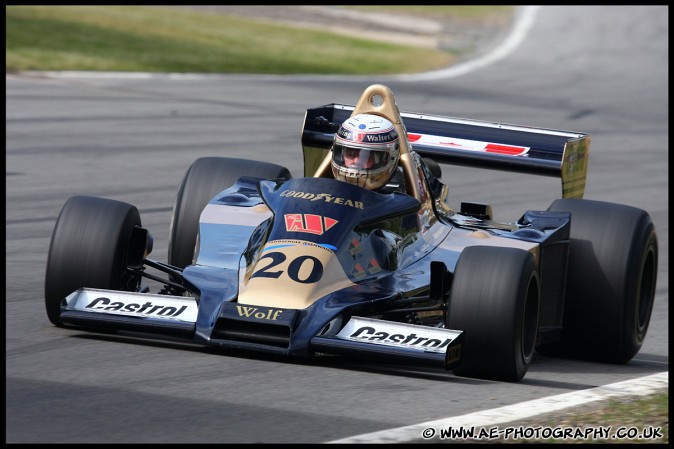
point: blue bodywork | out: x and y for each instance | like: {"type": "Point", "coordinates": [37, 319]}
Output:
{"type": "Point", "coordinates": [363, 218]}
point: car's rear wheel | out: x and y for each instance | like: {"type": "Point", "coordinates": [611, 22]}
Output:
{"type": "Point", "coordinates": [494, 300]}
{"type": "Point", "coordinates": [610, 287]}
{"type": "Point", "coordinates": [206, 177]}
{"type": "Point", "coordinates": [88, 249]}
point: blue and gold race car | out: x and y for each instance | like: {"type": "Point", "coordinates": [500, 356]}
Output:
{"type": "Point", "coordinates": [261, 261]}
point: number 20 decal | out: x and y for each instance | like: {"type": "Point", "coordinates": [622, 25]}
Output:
{"type": "Point", "coordinates": [293, 268]}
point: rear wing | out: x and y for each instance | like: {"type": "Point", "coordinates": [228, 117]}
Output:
{"type": "Point", "coordinates": [472, 143]}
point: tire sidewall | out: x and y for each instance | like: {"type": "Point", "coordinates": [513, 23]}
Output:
{"type": "Point", "coordinates": [610, 284]}
{"type": "Point", "coordinates": [488, 302]}
{"type": "Point", "coordinates": [88, 248]}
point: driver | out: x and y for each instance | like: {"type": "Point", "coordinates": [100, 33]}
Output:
{"type": "Point", "coordinates": [365, 151]}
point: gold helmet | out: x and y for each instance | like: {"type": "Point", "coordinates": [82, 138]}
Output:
{"type": "Point", "coordinates": [365, 151]}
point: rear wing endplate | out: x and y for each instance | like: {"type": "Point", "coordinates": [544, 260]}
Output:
{"type": "Point", "coordinates": [472, 143]}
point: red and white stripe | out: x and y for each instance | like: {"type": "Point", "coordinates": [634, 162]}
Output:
{"type": "Point", "coordinates": [464, 144]}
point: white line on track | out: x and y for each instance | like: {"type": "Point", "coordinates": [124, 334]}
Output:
{"type": "Point", "coordinates": [523, 23]}
{"type": "Point", "coordinates": [636, 387]}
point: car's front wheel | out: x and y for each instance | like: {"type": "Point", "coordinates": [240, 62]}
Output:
{"type": "Point", "coordinates": [89, 248]}
{"type": "Point", "coordinates": [494, 300]}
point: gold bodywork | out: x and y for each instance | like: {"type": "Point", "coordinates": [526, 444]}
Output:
{"type": "Point", "coordinates": [269, 292]}
{"type": "Point", "coordinates": [574, 167]}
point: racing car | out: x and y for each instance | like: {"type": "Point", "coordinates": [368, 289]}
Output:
{"type": "Point", "coordinates": [313, 267]}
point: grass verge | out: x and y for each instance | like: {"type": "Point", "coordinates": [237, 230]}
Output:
{"type": "Point", "coordinates": [152, 39]}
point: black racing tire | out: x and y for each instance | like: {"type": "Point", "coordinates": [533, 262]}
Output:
{"type": "Point", "coordinates": [88, 248]}
{"type": "Point", "coordinates": [611, 281]}
{"type": "Point", "coordinates": [206, 177]}
{"type": "Point", "coordinates": [495, 301]}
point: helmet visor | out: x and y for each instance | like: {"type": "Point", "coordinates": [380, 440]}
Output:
{"type": "Point", "coordinates": [360, 158]}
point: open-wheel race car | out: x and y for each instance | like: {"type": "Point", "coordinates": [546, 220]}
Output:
{"type": "Point", "coordinates": [311, 266]}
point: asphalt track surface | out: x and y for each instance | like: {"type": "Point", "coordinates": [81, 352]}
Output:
{"type": "Point", "coordinates": [600, 70]}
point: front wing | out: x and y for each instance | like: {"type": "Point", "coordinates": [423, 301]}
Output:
{"type": "Point", "coordinates": [260, 328]}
